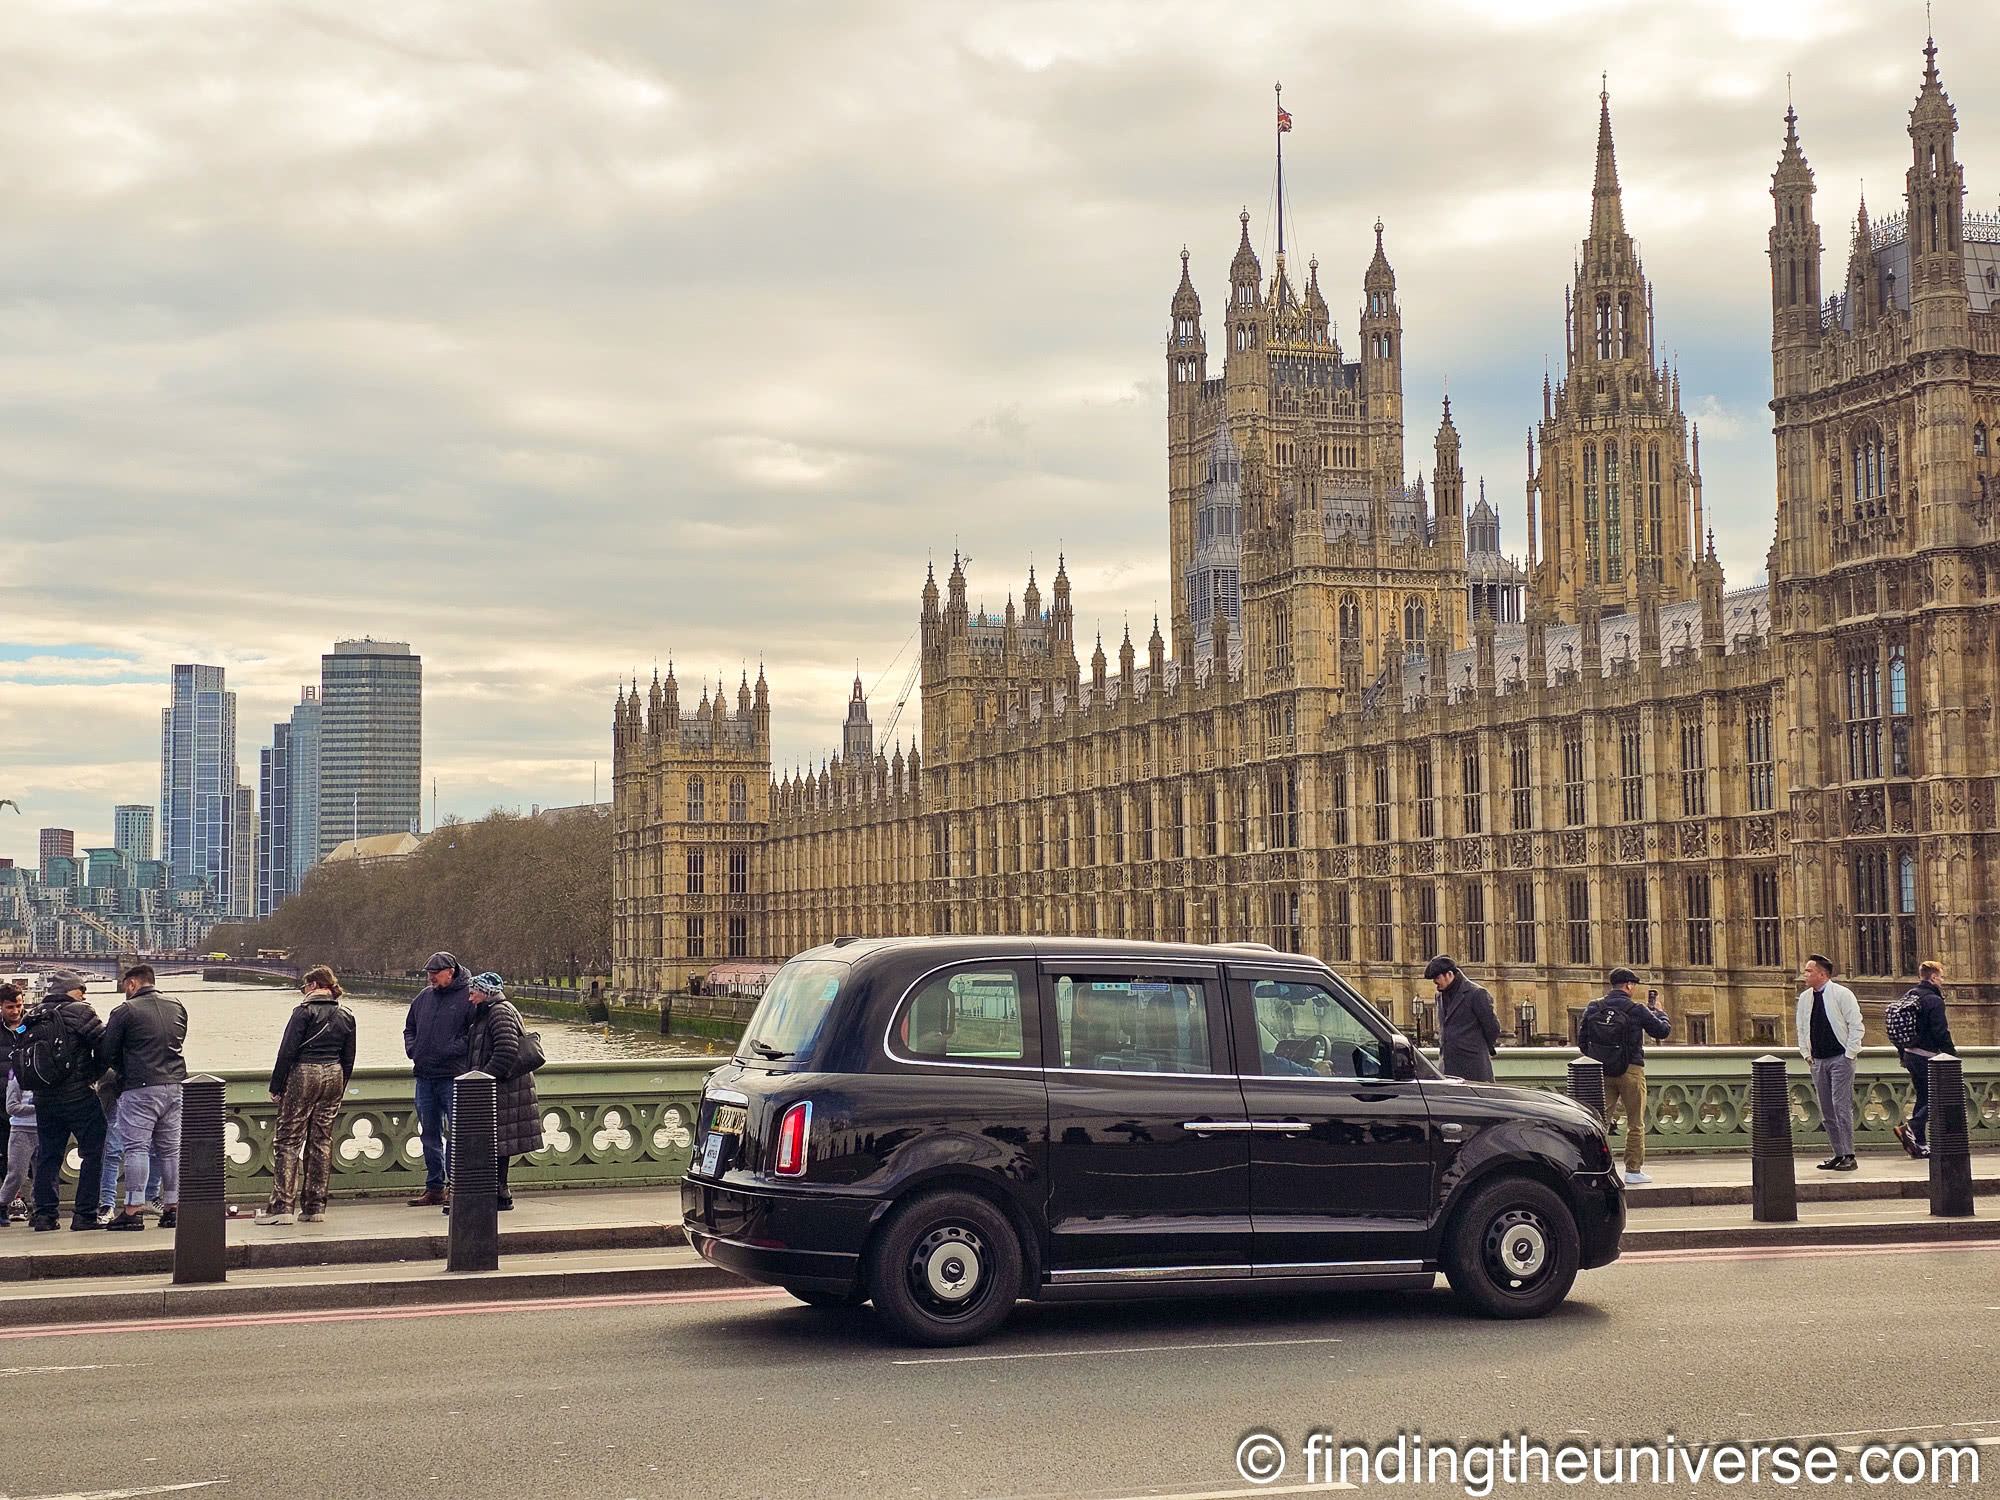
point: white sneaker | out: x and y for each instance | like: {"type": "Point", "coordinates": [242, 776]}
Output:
{"type": "Point", "coordinates": [152, 1209]}
{"type": "Point", "coordinates": [265, 1216]}
{"type": "Point", "coordinates": [1636, 1179]}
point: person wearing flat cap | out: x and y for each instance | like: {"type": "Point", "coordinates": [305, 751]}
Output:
{"type": "Point", "coordinates": [434, 1040]}
{"type": "Point", "coordinates": [1468, 1030]}
{"type": "Point", "coordinates": [496, 1041]}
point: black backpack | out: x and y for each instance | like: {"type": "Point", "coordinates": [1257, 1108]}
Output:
{"type": "Point", "coordinates": [1900, 1019]}
{"type": "Point", "coordinates": [1606, 1037]}
{"type": "Point", "coordinates": [47, 1055]}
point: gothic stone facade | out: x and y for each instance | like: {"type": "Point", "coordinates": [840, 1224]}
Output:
{"type": "Point", "coordinates": [1648, 769]}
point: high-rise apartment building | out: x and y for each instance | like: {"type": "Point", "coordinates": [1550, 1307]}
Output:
{"type": "Point", "coordinates": [243, 855]}
{"type": "Point", "coordinates": [302, 785]}
{"type": "Point", "coordinates": [274, 841]}
{"type": "Point", "coordinates": [371, 696]}
{"type": "Point", "coordinates": [288, 814]}
{"type": "Point", "coordinates": [132, 830]}
{"type": "Point", "coordinates": [198, 783]}
{"type": "Point", "coordinates": [57, 843]}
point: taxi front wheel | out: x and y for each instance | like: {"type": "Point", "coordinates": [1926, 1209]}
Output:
{"type": "Point", "coordinates": [946, 1269]}
{"type": "Point", "coordinates": [1512, 1251]}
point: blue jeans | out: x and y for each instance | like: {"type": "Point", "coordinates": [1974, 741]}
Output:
{"type": "Point", "coordinates": [433, 1118]}
{"type": "Point", "coordinates": [149, 1123]}
{"type": "Point", "coordinates": [114, 1157]}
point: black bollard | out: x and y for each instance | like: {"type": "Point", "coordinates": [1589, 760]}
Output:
{"type": "Point", "coordinates": [201, 1242]}
{"type": "Point", "coordinates": [1950, 1142]}
{"type": "Point", "coordinates": [1774, 1185]}
{"type": "Point", "coordinates": [1586, 1087]}
{"type": "Point", "coordinates": [666, 1014]}
{"type": "Point", "coordinates": [474, 1240]}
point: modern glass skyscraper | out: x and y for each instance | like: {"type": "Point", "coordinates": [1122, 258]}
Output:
{"type": "Point", "coordinates": [274, 843]}
{"type": "Point", "coordinates": [288, 810]}
{"type": "Point", "coordinates": [302, 780]}
{"type": "Point", "coordinates": [243, 855]}
{"type": "Point", "coordinates": [198, 784]}
{"type": "Point", "coordinates": [132, 830]}
{"type": "Point", "coordinates": [371, 747]}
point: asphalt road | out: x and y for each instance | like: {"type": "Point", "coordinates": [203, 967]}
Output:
{"type": "Point", "coordinates": [744, 1394]}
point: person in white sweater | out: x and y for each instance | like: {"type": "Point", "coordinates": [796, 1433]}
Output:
{"type": "Point", "coordinates": [1829, 1037]}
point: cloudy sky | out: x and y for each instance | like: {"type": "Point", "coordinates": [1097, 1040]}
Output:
{"type": "Point", "coordinates": [559, 337]}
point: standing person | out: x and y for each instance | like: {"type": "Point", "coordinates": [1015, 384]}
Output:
{"type": "Point", "coordinates": [57, 1056]}
{"type": "Point", "coordinates": [315, 1063]}
{"type": "Point", "coordinates": [1468, 1030]}
{"type": "Point", "coordinates": [1828, 1027]}
{"type": "Point", "coordinates": [144, 1043]}
{"type": "Point", "coordinates": [435, 1043]}
{"type": "Point", "coordinates": [496, 1049]}
{"type": "Point", "coordinates": [1929, 1030]}
{"type": "Point", "coordinates": [21, 1134]}
{"type": "Point", "coordinates": [1613, 1030]}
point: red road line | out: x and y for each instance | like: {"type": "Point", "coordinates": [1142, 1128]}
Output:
{"type": "Point", "coordinates": [388, 1314]}
{"type": "Point", "coordinates": [756, 1294]}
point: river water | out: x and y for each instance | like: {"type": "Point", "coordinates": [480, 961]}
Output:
{"type": "Point", "coordinates": [232, 1027]}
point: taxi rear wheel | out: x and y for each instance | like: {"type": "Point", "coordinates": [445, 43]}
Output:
{"type": "Point", "coordinates": [1513, 1250]}
{"type": "Point", "coordinates": [946, 1269]}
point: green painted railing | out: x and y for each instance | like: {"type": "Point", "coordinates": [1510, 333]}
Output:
{"type": "Point", "coordinates": [1698, 1098]}
{"type": "Point", "coordinates": [630, 1124]}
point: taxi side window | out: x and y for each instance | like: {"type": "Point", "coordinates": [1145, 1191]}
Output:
{"type": "Point", "coordinates": [1305, 1031]}
{"type": "Point", "coordinates": [970, 1016]}
{"type": "Point", "coordinates": [1132, 1023]}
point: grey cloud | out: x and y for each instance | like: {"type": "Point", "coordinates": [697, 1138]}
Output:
{"type": "Point", "coordinates": [694, 329]}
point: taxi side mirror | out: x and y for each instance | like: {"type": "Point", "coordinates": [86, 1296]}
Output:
{"type": "Point", "coordinates": [1402, 1058]}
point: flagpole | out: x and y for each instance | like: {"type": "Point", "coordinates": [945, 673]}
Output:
{"type": "Point", "coordinates": [1278, 122]}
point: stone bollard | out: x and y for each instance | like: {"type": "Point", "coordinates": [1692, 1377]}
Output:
{"type": "Point", "coordinates": [473, 1243]}
{"type": "Point", "coordinates": [201, 1243]}
{"type": "Point", "coordinates": [1950, 1143]}
{"type": "Point", "coordinates": [1586, 1087]}
{"type": "Point", "coordinates": [1774, 1185]}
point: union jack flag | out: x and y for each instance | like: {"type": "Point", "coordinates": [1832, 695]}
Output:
{"type": "Point", "coordinates": [1284, 119]}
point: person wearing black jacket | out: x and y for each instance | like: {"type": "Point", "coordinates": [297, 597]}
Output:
{"type": "Point", "coordinates": [1468, 1029]}
{"type": "Point", "coordinates": [308, 1081]}
{"type": "Point", "coordinates": [1625, 1088]}
{"type": "Point", "coordinates": [143, 1045]}
{"type": "Point", "coordinates": [496, 1048]}
{"type": "Point", "coordinates": [70, 1110]}
{"type": "Point", "coordinates": [434, 1041]}
{"type": "Point", "coordinates": [1933, 1037]}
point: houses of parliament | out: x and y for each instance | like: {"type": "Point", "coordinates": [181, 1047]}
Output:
{"type": "Point", "coordinates": [1376, 738]}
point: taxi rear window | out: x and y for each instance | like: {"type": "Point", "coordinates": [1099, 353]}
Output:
{"type": "Point", "coordinates": [795, 1006]}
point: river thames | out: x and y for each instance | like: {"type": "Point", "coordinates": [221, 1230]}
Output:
{"type": "Point", "coordinates": [234, 1027]}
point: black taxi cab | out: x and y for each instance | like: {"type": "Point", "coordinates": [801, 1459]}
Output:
{"type": "Point", "coordinates": [945, 1125]}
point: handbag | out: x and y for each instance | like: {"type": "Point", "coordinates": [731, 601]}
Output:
{"type": "Point", "coordinates": [530, 1057]}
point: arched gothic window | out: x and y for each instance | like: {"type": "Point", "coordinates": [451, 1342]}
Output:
{"type": "Point", "coordinates": [1413, 621]}
{"type": "Point", "coordinates": [1350, 618]}
{"type": "Point", "coordinates": [697, 801]}
{"type": "Point", "coordinates": [739, 801]}
{"type": "Point", "coordinates": [1979, 438]}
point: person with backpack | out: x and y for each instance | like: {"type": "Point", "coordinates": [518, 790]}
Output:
{"type": "Point", "coordinates": [144, 1044]}
{"type": "Point", "coordinates": [315, 1063]}
{"type": "Point", "coordinates": [21, 1134]}
{"type": "Point", "coordinates": [57, 1058]}
{"type": "Point", "coordinates": [502, 1047]}
{"type": "Point", "coordinates": [1468, 1030]}
{"type": "Point", "coordinates": [1921, 1030]}
{"type": "Point", "coordinates": [1613, 1031]}
{"type": "Point", "coordinates": [1828, 1032]}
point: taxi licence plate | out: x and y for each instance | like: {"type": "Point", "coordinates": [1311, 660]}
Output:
{"type": "Point", "coordinates": [711, 1154]}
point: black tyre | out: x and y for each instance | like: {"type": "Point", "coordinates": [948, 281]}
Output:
{"type": "Point", "coordinates": [946, 1269]}
{"type": "Point", "coordinates": [830, 1299]}
{"type": "Point", "coordinates": [1512, 1251]}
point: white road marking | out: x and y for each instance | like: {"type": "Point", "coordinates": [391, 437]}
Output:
{"type": "Point", "coordinates": [151, 1489]}
{"type": "Point", "coordinates": [7, 1370]}
{"type": "Point", "coordinates": [966, 1359]}
{"type": "Point", "coordinates": [1263, 1489]}
{"type": "Point", "coordinates": [1862, 1432]}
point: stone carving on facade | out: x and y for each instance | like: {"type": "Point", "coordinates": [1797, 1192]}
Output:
{"type": "Point", "coordinates": [1864, 811]}
{"type": "Point", "coordinates": [1631, 844]}
{"type": "Point", "coordinates": [1521, 850]}
{"type": "Point", "coordinates": [1694, 840]}
{"type": "Point", "coordinates": [1468, 854]}
{"type": "Point", "coordinates": [1573, 846]}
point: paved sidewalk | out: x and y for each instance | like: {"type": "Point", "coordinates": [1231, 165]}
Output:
{"type": "Point", "coordinates": [1723, 1177]}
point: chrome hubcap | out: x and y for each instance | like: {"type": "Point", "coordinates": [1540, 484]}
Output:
{"type": "Point", "coordinates": [948, 1264]}
{"type": "Point", "coordinates": [1517, 1247]}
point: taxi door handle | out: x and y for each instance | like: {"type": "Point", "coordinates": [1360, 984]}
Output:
{"type": "Point", "coordinates": [1205, 1127]}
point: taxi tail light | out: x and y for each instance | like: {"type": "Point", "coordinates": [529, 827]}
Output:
{"type": "Point", "coordinates": [792, 1132]}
